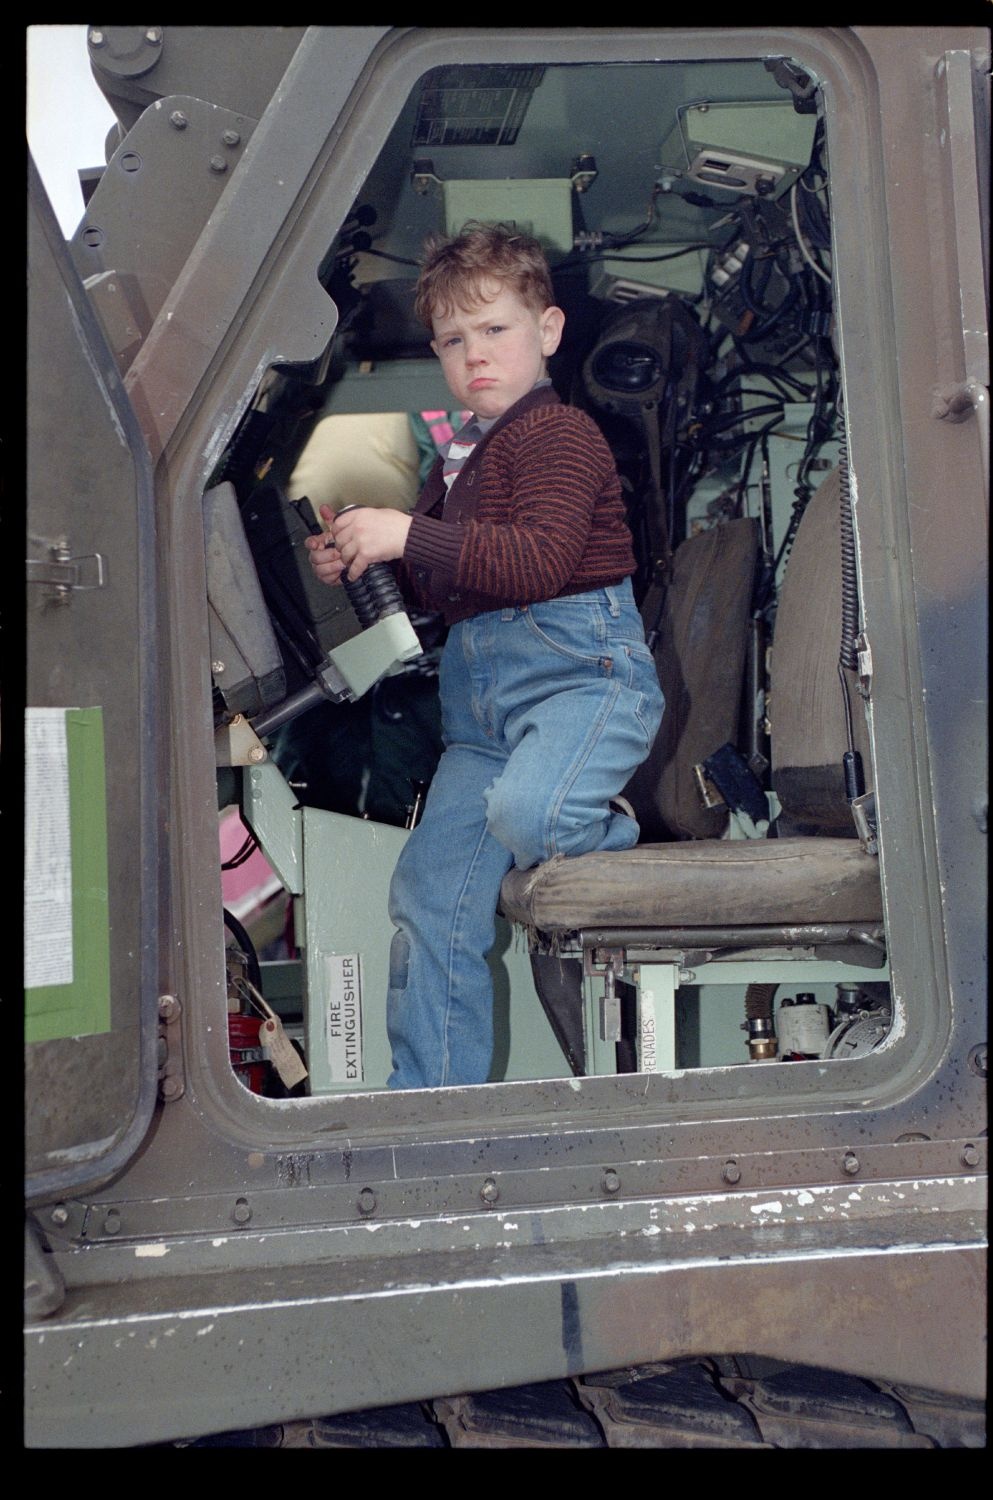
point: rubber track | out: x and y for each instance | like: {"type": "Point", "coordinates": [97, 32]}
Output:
{"type": "Point", "coordinates": [720, 1402]}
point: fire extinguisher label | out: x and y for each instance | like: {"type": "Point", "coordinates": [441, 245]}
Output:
{"type": "Point", "coordinates": [344, 1018]}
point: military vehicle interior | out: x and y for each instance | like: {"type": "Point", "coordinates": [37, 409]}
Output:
{"type": "Point", "coordinates": [686, 214]}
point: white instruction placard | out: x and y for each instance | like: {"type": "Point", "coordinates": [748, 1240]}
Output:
{"type": "Point", "coordinates": [47, 850]}
{"type": "Point", "coordinates": [344, 1018]}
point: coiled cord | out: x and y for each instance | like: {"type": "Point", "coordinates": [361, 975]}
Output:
{"type": "Point", "coordinates": [849, 579]}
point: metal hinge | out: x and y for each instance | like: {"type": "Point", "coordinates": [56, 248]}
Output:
{"type": "Point", "coordinates": [864, 813]}
{"type": "Point", "coordinates": [864, 653]}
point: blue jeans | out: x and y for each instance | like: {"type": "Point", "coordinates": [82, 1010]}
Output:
{"type": "Point", "coordinates": [546, 709]}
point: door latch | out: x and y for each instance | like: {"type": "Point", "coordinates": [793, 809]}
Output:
{"type": "Point", "coordinates": [63, 574]}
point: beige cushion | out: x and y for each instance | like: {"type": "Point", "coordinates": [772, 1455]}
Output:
{"type": "Point", "coordinates": [727, 882]}
{"type": "Point", "coordinates": [358, 459]}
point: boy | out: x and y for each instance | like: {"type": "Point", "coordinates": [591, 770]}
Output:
{"type": "Point", "coordinates": [549, 696]}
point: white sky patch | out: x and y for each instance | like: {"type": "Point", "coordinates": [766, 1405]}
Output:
{"type": "Point", "coordinates": [67, 116]}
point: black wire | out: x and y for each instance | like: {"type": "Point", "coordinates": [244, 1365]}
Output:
{"type": "Point", "coordinates": [584, 258]}
{"type": "Point", "coordinates": [401, 260]}
{"type": "Point", "coordinates": [759, 332]}
{"type": "Point", "coordinates": [242, 858]}
{"type": "Point", "coordinates": [578, 258]}
{"type": "Point", "coordinates": [758, 367]}
{"type": "Point", "coordinates": [247, 947]}
{"type": "Point", "coordinates": [633, 234]}
{"type": "Point", "coordinates": [734, 419]}
{"type": "Point", "coordinates": [243, 854]}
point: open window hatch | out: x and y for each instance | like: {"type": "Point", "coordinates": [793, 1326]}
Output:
{"type": "Point", "coordinates": [686, 214]}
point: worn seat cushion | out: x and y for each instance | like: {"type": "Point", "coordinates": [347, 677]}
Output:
{"type": "Point", "coordinates": [698, 884]}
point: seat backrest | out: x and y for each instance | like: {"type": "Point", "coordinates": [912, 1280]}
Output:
{"type": "Point", "coordinates": [700, 658]}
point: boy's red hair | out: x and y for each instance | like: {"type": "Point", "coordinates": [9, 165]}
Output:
{"type": "Point", "coordinates": [455, 268]}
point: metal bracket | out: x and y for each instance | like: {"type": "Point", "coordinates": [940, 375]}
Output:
{"type": "Point", "coordinates": [44, 1287]}
{"type": "Point", "coordinates": [709, 794]}
{"type": "Point", "coordinates": [610, 963]}
{"type": "Point", "coordinates": [237, 744]}
{"type": "Point", "coordinates": [864, 813]}
{"type": "Point", "coordinates": [422, 175]}
{"type": "Point", "coordinates": [172, 1085]}
{"type": "Point", "coordinates": [584, 173]}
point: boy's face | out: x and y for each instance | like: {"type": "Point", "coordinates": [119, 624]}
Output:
{"type": "Point", "coordinates": [493, 352]}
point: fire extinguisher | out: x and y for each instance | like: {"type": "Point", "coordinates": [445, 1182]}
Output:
{"type": "Point", "coordinates": [247, 1057]}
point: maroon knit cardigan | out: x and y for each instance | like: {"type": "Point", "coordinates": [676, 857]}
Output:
{"type": "Point", "coordinates": [534, 512]}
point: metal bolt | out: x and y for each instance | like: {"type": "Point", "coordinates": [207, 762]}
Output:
{"type": "Point", "coordinates": [977, 1060]}
{"type": "Point", "coordinates": [178, 119]}
{"type": "Point", "coordinates": [169, 1007]}
{"type": "Point", "coordinates": [231, 138]}
{"type": "Point", "coordinates": [172, 1088]}
{"type": "Point", "coordinates": [112, 1222]}
{"type": "Point", "coordinates": [154, 35]}
{"type": "Point", "coordinates": [851, 1163]}
{"type": "Point", "coordinates": [60, 1214]}
{"type": "Point", "coordinates": [489, 1192]}
{"type": "Point", "coordinates": [367, 1201]}
{"type": "Point", "coordinates": [130, 162]}
{"type": "Point", "coordinates": [731, 1172]}
{"type": "Point", "coordinates": [242, 1211]}
{"type": "Point", "coordinates": [217, 667]}
{"type": "Point", "coordinates": [218, 164]}
{"type": "Point", "coordinates": [687, 976]}
{"type": "Point", "coordinates": [256, 754]}
{"type": "Point", "coordinates": [97, 38]}
{"type": "Point", "coordinates": [93, 237]}
{"type": "Point", "coordinates": [970, 1156]}
{"type": "Point", "coordinates": [611, 1181]}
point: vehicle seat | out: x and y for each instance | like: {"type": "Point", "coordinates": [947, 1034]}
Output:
{"type": "Point", "coordinates": [816, 886]}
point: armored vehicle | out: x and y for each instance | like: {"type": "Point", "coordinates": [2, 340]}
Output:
{"type": "Point", "coordinates": [726, 1185]}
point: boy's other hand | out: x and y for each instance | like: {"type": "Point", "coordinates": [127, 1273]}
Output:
{"type": "Point", "coordinates": [323, 555]}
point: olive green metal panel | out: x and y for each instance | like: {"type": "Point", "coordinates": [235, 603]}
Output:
{"type": "Point", "coordinates": [542, 206]}
{"type": "Point", "coordinates": [348, 865]}
{"type": "Point", "coordinates": [341, 868]}
{"type": "Point", "coordinates": [91, 643]}
{"type": "Point", "coordinates": [773, 131]}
